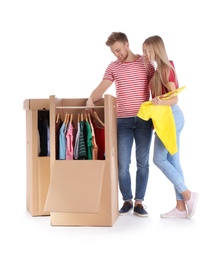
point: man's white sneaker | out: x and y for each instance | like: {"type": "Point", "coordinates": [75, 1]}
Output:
{"type": "Point", "coordinates": [175, 213]}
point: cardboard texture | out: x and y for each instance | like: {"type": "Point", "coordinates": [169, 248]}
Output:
{"type": "Point", "coordinates": [84, 193]}
{"type": "Point", "coordinates": [76, 186]}
{"type": "Point", "coordinates": [72, 192]}
{"type": "Point", "coordinates": [37, 168]}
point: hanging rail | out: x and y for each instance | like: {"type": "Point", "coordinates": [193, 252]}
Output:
{"type": "Point", "coordinates": [80, 107]}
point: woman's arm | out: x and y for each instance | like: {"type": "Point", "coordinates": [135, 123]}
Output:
{"type": "Point", "coordinates": [166, 102]}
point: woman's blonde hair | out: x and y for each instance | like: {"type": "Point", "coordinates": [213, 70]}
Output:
{"type": "Point", "coordinates": [164, 67]}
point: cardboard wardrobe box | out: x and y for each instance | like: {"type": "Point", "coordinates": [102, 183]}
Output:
{"type": "Point", "coordinates": [84, 192]}
{"type": "Point", "coordinates": [37, 168]}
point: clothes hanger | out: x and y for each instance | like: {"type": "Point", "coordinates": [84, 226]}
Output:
{"type": "Point", "coordinates": [86, 118]}
{"type": "Point", "coordinates": [58, 116]}
{"type": "Point", "coordinates": [97, 117]}
{"type": "Point", "coordinates": [65, 119]}
{"type": "Point", "coordinates": [71, 117]}
{"type": "Point", "coordinates": [89, 118]}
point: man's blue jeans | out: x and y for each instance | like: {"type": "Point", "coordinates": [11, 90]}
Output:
{"type": "Point", "coordinates": [129, 130]}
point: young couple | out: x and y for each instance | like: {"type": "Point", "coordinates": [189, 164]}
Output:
{"type": "Point", "coordinates": [136, 80]}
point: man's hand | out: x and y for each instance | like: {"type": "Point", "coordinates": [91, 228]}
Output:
{"type": "Point", "coordinates": [89, 106]}
{"type": "Point", "coordinates": [89, 103]}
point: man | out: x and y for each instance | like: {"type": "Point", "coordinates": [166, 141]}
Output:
{"type": "Point", "coordinates": [131, 79]}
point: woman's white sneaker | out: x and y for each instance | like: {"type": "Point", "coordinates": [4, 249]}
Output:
{"type": "Point", "coordinates": [175, 213]}
{"type": "Point", "coordinates": [191, 204]}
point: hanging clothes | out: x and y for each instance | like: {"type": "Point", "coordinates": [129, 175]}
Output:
{"type": "Point", "coordinates": [94, 144]}
{"type": "Point", "coordinates": [48, 141]}
{"type": "Point", "coordinates": [58, 125]}
{"type": "Point", "coordinates": [62, 140]}
{"type": "Point", "coordinates": [76, 147]}
{"type": "Point", "coordinates": [43, 129]}
{"type": "Point", "coordinates": [83, 141]}
{"type": "Point", "coordinates": [69, 142]}
{"type": "Point", "coordinates": [100, 140]}
{"type": "Point", "coordinates": [88, 140]}
{"type": "Point", "coordinates": [82, 153]}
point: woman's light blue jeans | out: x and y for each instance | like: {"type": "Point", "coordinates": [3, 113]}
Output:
{"type": "Point", "coordinates": [129, 130]}
{"type": "Point", "coordinates": [170, 164]}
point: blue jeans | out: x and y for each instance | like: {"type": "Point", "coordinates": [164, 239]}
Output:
{"type": "Point", "coordinates": [129, 130]}
{"type": "Point", "coordinates": [170, 164]}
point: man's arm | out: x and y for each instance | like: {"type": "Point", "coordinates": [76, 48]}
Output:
{"type": "Point", "coordinates": [98, 92]}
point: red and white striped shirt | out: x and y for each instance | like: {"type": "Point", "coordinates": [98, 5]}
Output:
{"type": "Point", "coordinates": [132, 85]}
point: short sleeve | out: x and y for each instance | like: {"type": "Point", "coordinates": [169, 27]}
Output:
{"type": "Point", "coordinates": [108, 75]}
{"type": "Point", "coordinates": [172, 77]}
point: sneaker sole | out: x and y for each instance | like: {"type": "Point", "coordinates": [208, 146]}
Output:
{"type": "Point", "coordinates": [141, 215]}
{"type": "Point", "coordinates": [125, 213]}
{"type": "Point", "coordinates": [194, 208]}
{"type": "Point", "coordinates": [163, 216]}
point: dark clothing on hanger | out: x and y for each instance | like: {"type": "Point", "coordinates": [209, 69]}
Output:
{"type": "Point", "coordinates": [43, 128]}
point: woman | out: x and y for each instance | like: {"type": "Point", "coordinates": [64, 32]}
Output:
{"type": "Point", "coordinates": [163, 81]}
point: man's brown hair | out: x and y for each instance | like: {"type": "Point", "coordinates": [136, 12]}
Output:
{"type": "Point", "coordinates": [116, 37]}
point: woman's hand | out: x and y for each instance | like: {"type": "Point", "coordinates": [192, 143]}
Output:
{"type": "Point", "coordinates": [156, 101]}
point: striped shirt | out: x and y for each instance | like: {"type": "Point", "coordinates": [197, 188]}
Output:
{"type": "Point", "coordinates": [132, 85]}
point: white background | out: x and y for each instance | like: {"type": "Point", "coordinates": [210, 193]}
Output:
{"type": "Point", "coordinates": [58, 48]}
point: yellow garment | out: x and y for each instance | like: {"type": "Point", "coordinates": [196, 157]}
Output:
{"type": "Point", "coordinates": [172, 93]}
{"type": "Point", "coordinates": [163, 121]}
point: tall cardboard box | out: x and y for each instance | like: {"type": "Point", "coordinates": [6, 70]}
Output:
{"type": "Point", "coordinates": [37, 168]}
{"type": "Point", "coordinates": [84, 192]}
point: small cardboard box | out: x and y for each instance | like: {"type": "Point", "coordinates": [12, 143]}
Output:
{"type": "Point", "coordinates": [37, 168]}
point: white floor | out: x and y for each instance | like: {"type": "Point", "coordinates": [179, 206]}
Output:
{"type": "Point", "coordinates": [23, 236]}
